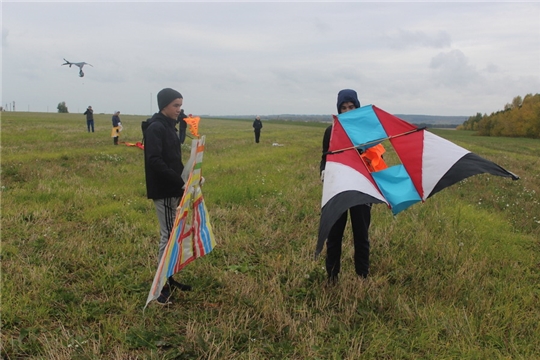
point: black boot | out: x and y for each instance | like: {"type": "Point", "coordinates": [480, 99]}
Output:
{"type": "Point", "coordinates": [178, 285]}
{"type": "Point", "coordinates": [165, 296]}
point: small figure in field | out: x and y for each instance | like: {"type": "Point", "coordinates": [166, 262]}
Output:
{"type": "Point", "coordinates": [257, 125]}
{"type": "Point", "coordinates": [117, 127]}
{"type": "Point", "coordinates": [163, 169]}
{"type": "Point", "coordinates": [89, 118]}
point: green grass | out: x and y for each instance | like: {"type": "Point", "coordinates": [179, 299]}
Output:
{"type": "Point", "coordinates": [454, 278]}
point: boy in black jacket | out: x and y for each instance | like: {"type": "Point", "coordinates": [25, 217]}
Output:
{"type": "Point", "coordinates": [163, 169]}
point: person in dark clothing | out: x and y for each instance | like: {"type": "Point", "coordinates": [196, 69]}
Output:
{"type": "Point", "coordinates": [117, 126]}
{"type": "Point", "coordinates": [182, 126]}
{"type": "Point", "coordinates": [163, 169]}
{"type": "Point", "coordinates": [89, 118]}
{"type": "Point", "coordinates": [257, 125]}
{"type": "Point", "coordinates": [347, 100]}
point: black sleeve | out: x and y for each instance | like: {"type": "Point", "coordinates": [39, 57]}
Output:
{"type": "Point", "coordinates": [325, 146]}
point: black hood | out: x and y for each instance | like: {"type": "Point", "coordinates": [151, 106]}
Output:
{"type": "Point", "coordinates": [347, 95]}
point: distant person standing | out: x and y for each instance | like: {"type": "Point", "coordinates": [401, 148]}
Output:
{"type": "Point", "coordinates": [117, 127]}
{"type": "Point", "coordinates": [89, 118]}
{"type": "Point", "coordinates": [182, 126]}
{"type": "Point", "coordinates": [257, 125]}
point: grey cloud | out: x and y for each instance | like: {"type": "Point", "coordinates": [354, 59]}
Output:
{"type": "Point", "coordinates": [5, 33]}
{"type": "Point", "coordinates": [405, 39]}
{"type": "Point", "coordinates": [492, 68]}
{"type": "Point", "coordinates": [452, 69]}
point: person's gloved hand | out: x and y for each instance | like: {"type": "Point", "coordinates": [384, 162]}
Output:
{"type": "Point", "coordinates": [322, 175]}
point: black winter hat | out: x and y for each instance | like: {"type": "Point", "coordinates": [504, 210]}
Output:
{"type": "Point", "coordinates": [167, 96]}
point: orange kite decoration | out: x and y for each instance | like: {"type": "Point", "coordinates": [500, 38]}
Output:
{"type": "Point", "coordinates": [193, 122]}
{"type": "Point", "coordinates": [137, 144]}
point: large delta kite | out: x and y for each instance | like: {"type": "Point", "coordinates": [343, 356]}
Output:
{"type": "Point", "coordinates": [429, 164]}
{"type": "Point", "coordinates": [79, 64]}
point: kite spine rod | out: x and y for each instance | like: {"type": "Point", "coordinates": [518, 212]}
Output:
{"type": "Point", "coordinates": [358, 147]}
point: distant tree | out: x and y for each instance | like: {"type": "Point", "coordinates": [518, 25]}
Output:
{"type": "Point", "coordinates": [521, 118]}
{"type": "Point", "coordinates": [472, 122]}
{"type": "Point", "coordinates": [516, 103]}
{"type": "Point", "coordinates": [62, 108]}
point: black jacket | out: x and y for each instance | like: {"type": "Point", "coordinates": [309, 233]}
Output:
{"type": "Point", "coordinates": [162, 159]}
{"type": "Point", "coordinates": [257, 125]}
{"type": "Point", "coordinates": [325, 147]}
{"type": "Point", "coordinates": [89, 114]}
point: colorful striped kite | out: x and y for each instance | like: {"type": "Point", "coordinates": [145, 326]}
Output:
{"type": "Point", "coordinates": [191, 236]}
{"type": "Point", "coordinates": [429, 164]}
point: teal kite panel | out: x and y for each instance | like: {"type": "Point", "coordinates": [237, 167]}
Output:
{"type": "Point", "coordinates": [397, 187]}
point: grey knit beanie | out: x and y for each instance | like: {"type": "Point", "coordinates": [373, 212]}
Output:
{"type": "Point", "coordinates": [167, 96]}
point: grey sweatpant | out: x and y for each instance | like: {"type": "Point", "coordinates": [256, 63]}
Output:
{"type": "Point", "coordinates": [166, 213]}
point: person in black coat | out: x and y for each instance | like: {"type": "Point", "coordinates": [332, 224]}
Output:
{"type": "Point", "coordinates": [182, 126]}
{"type": "Point", "coordinates": [89, 118]}
{"type": "Point", "coordinates": [257, 125]}
{"type": "Point", "coordinates": [360, 214]}
{"type": "Point", "coordinates": [163, 169]}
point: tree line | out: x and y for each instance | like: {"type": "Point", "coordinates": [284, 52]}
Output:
{"type": "Point", "coordinates": [520, 118]}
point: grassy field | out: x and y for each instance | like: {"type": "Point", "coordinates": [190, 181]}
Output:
{"type": "Point", "coordinates": [457, 277]}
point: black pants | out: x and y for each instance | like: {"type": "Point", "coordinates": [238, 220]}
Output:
{"type": "Point", "coordinates": [257, 135]}
{"type": "Point", "coordinates": [90, 125]}
{"type": "Point", "coordinates": [360, 220]}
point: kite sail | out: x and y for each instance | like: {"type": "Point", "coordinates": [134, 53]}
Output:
{"type": "Point", "coordinates": [80, 65]}
{"type": "Point", "coordinates": [193, 122]}
{"type": "Point", "coordinates": [191, 236]}
{"type": "Point", "coordinates": [137, 144]}
{"type": "Point", "coordinates": [429, 164]}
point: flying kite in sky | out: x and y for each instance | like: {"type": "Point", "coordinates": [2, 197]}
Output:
{"type": "Point", "coordinates": [429, 164]}
{"type": "Point", "coordinates": [79, 64]}
{"type": "Point", "coordinates": [192, 235]}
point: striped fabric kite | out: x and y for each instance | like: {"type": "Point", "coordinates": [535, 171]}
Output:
{"type": "Point", "coordinates": [191, 236]}
{"type": "Point", "coordinates": [429, 164]}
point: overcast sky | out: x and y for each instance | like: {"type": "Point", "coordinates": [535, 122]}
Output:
{"type": "Point", "coordinates": [244, 58]}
